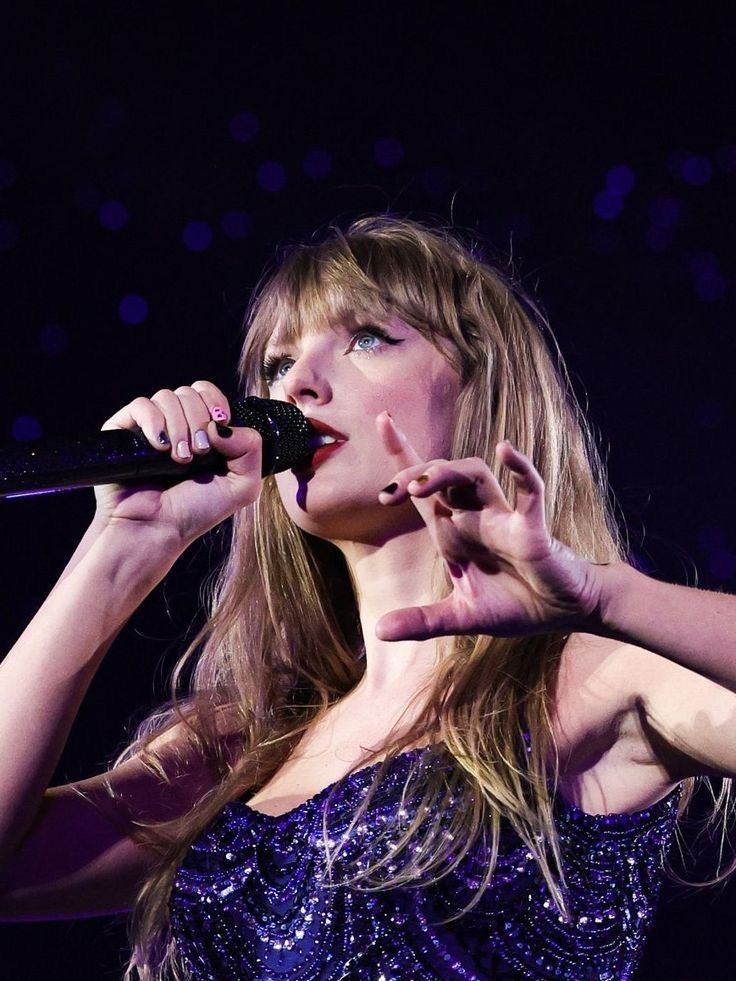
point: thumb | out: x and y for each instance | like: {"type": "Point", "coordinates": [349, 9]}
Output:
{"type": "Point", "coordinates": [418, 622]}
{"type": "Point", "coordinates": [241, 446]}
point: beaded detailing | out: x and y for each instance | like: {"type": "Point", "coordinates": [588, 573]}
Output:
{"type": "Point", "coordinates": [253, 898]}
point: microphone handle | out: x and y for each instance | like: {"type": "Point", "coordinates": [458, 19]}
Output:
{"type": "Point", "coordinates": [125, 456]}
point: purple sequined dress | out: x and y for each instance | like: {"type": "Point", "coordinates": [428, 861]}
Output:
{"type": "Point", "coordinates": [251, 899]}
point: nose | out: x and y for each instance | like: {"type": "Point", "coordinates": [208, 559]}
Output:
{"type": "Point", "coordinates": [306, 381]}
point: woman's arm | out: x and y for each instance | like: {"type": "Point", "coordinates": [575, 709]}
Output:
{"type": "Point", "coordinates": [138, 533]}
{"type": "Point", "coordinates": [46, 674]}
{"type": "Point", "coordinates": [693, 627]}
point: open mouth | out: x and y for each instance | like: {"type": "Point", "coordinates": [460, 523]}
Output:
{"type": "Point", "coordinates": [323, 445]}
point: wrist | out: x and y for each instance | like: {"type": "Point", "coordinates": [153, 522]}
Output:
{"type": "Point", "coordinates": [150, 549]}
{"type": "Point", "coordinates": [617, 582]}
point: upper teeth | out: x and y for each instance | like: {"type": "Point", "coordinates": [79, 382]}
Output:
{"type": "Point", "coordinates": [326, 438]}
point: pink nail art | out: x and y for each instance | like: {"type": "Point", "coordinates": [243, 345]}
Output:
{"type": "Point", "coordinates": [218, 413]}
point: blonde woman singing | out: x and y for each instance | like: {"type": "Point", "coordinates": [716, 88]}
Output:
{"type": "Point", "coordinates": [438, 726]}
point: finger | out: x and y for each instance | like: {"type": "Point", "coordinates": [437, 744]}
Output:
{"type": "Point", "coordinates": [176, 424]}
{"type": "Point", "coordinates": [529, 484]}
{"type": "Point", "coordinates": [396, 442]}
{"type": "Point", "coordinates": [420, 622]}
{"type": "Point", "coordinates": [144, 415]}
{"type": "Point", "coordinates": [464, 485]}
{"type": "Point", "coordinates": [197, 415]}
{"type": "Point", "coordinates": [213, 397]}
{"type": "Point", "coordinates": [242, 447]}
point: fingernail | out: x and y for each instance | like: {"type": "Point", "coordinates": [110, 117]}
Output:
{"type": "Point", "coordinates": [200, 440]}
{"type": "Point", "coordinates": [224, 431]}
{"type": "Point", "coordinates": [421, 479]}
{"type": "Point", "coordinates": [218, 413]}
{"type": "Point", "coordinates": [182, 449]}
{"type": "Point", "coordinates": [390, 488]}
{"type": "Point", "coordinates": [163, 438]}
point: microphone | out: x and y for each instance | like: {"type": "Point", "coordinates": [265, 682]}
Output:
{"type": "Point", "coordinates": [123, 455]}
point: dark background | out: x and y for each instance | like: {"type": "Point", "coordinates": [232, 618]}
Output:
{"type": "Point", "coordinates": [152, 158]}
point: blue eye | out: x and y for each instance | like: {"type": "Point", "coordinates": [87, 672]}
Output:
{"type": "Point", "coordinates": [273, 365]}
{"type": "Point", "coordinates": [376, 335]}
{"type": "Point", "coordinates": [366, 336]}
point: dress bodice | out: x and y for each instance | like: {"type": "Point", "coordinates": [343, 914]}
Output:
{"type": "Point", "coordinates": [253, 898]}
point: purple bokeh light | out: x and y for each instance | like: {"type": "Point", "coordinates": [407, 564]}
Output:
{"type": "Point", "coordinates": [26, 428]}
{"type": "Point", "coordinates": [8, 174]}
{"type": "Point", "coordinates": [388, 151]}
{"type": "Point", "coordinates": [697, 170]}
{"type": "Point", "coordinates": [317, 164]}
{"type": "Point", "coordinates": [665, 212]}
{"type": "Point", "coordinates": [620, 179]}
{"type": "Point", "coordinates": [708, 280]}
{"type": "Point", "coordinates": [132, 309]}
{"type": "Point", "coordinates": [271, 176]}
{"type": "Point", "coordinates": [244, 126]}
{"type": "Point", "coordinates": [607, 205]}
{"type": "Point", "coordinates": [197, 236]}
{"type": "Point", "coordinates": [53, 339]}
{"type": "Point", "coordinates": [237, 224]}
{"type": "Point", "coordinates": [113, 215]}
{"type": "Point", "coordinates": [8, 234]}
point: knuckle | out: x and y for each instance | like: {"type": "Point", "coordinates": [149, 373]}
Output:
{"type": "Point", "coordinates": [163, 394]}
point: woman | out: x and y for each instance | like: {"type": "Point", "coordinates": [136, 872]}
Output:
{"type": "Point", "coordinates": [428, 670]}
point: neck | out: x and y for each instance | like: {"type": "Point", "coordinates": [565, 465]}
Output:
{"type": "Point", "coordinates": [396, 574]}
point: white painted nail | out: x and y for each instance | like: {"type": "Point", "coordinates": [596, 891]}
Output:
{"type": "Point", "coordinates": [182, 449]}
{"type": "Point", "coordinates": [200, 440]}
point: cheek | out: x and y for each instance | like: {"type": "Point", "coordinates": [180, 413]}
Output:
{"type": "Point", "coordinates": [438, 410]}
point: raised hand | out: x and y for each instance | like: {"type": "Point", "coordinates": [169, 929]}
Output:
{"type": "Point", "coordinates": [185, 422]}
{"type": "Point", "coordinates": [509, 576]}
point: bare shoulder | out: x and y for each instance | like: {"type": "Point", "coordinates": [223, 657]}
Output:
{"type": "Point", "coordinates": [82, 856]}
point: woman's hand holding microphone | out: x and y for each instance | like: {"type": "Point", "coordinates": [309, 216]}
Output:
{"type": "Point", "coordinates": [187, 421]}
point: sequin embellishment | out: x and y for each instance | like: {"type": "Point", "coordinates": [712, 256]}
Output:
{"type": "Point", "coordinates": [251, 900]}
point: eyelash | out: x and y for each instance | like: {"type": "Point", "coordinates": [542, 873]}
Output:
{"type": "Point", "coordinates": [272, 361]}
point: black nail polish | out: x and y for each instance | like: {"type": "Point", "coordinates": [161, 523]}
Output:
{"type": "Point", "coordinates": [390, 488]}
{"type": "Point", "coordinates": [224, 431]}
{"type": "Point", "coordinates": [163, 438]}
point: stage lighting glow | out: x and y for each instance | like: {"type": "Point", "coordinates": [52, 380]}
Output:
{"type": "Point", "coordinates": [243, 127]}
{"type": "Point", "coordinates": [25, 429]}
{"type": "Point", "coordinates": [197, 236]}
{"type": "Point", "coordinates": [620, 179]}
{"type": "Point", "coordinates": [133, 309]}
{"type": "Point", "coordinates": [388, 151]}
{"type": "Point", "coordinates": [708, 280]}
{"type": "Point", "coordinates": [113, 215]}
{"type": "Point", "coordinates": [665, 212]}
{"type": "Point", "coordinates": [607, 205]}
{"type": "Point", "coordinates": [697, 170]}
{"type": "Point", "coordinates": [317, 164]}
{"type": "Point", "coordinates": [271, 176]}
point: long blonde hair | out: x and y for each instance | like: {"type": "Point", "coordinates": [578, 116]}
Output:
{"type": "Point", "coordinates": [283, 642]}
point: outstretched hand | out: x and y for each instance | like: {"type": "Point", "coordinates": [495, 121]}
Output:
{"type": "Point", "coordinates": [509, 576]}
